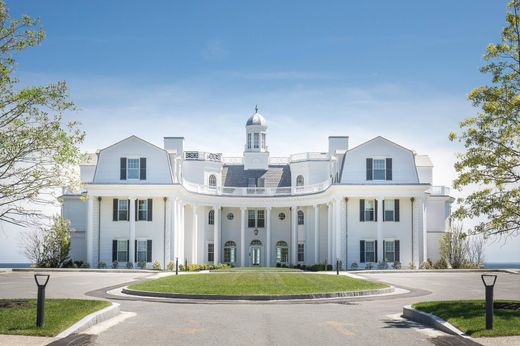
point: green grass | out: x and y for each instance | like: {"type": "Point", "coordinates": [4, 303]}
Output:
{"type": "Point", "coordinates": [271, 269]}
{"type": "Point", "coordinates": [59, 315]}
{"type": "Point", "coordinates": [256, 283]}
{"type": "Point", "coordinates": [470, 317]}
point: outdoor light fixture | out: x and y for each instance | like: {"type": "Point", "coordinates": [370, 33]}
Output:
{"type": "Point", "coordinates": [41, 282]}
{"type": "Point", "coordinates": [337, 266]}
{"type": "Point", "coordinates": [489, 282]}
{"type": "Point", "coordinates": [176, 265]}
{"type": "Point", "coordinates": [255, 231]}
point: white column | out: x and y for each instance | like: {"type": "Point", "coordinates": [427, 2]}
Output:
{"type": "Point", "coordinates": [268, 237]}
{"type": "Point", "coordinates": [174, 252]}
{"type": "Point", "coordinates": [243, 237]}
{"type": "Point", "coordinates": [216, 235]}
{"type": "Point", "coordinates": [167, 230]}
{"type": "Point", "coordinates": [421, 231]}
{"type": "Point", "coordinates": [181, 232]}
{"type": "Point", "coordinates": [90, 230]}
{"type": "Point", "coordinates": [338, 228]}
{"type": "Point", "coordinates": [194, 239]}
{"type": "Point", "coordinates": [131, 248]}
{"type": "Point", "coordinates": [380, 229]}
{"type": "Point", "coordinates": [316, 233]}
{"type": "Point", "coordinates": [294, 235]}
{"type": "Point", "coordinates": [329, 233]}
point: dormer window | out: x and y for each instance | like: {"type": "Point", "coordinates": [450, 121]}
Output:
{"type": "Point", "coordinates": [379, 168]}
{"type": "Point", "coordinates": [300, 181]}
{"type": "Point", "coordinates": [212, 181]}
{"type": "Point", "coordinates": [132, 168]}
{"type": "Point", "coordinates": [379, 172]}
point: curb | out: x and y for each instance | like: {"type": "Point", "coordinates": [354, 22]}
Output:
{"type": "Point", "coordinates": [391, 271]}
{"type": "Point", "coordinates": [87, 270]}
{"type": "Point", "coordinates": [431, 320]}
{"type": "Point", "coordinates": [387, 290]}
{"type": "Point", "coordinates": [91, 320]}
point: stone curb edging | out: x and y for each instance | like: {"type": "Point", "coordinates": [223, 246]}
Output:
{"type": "Point", "coordinates": [431, 320]}
{"type": "Point", "coordinates": [91, 320]}
{"type": "Point", "coordinates": [391, 271]}
{"type": "Point", "coordinates": [387, 290]}
{"type": "Point", "coordinates": [88, 270]}
{"type": "Point", "coordinates": [256, 271]}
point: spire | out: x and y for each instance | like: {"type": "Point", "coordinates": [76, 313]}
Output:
{"type": "Point", "coordinates": [256, 109]}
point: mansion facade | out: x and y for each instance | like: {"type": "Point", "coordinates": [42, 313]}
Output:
{"type": "Point", "coordinates": [368, 204]}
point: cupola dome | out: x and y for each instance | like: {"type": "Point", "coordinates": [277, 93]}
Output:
{"type": "Point", "coordinates": [256, 119]}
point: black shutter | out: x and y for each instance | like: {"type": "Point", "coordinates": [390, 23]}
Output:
{"type": "Point", "coordinates": [384, 257]}
{"type": "Point", "coordinates": [128, 211]}
{"type": "Point", "coordinates": [136, 209]}
{"type": "Point", "coordinates": [150, 209]}
{"type": "Point", "coordinates": [114, 210]}
{"type": "Point", "coordinates": [384, 219]}
{"type": "Point", "coordinates": [114, 250]}
{"type": "Point", "coordinates": [375, 247]}
{"type": "Point", "coordinates": [361, 251]}
{"type": "Point", "coordinates": [375, 211]}
{"type": "Point", "coordinates": [369, 169]}
{"type": "Point", "coordinates": [123, 168]}
{"type": "Point", "coordinates": [142, 165]}
{"type": "Point", "coordinates": [127, 250]}
{"type": "Point", "coordinates": [361, 210]}
{"type": "Point", "coordinates": [149, 250]}
{"type": "Point", "coordinates": [135, 251]}
{"type": "Point", "coordinates": [397, 251]}
{"type": "Point", "coordinates": [396, 210]}
{"type": "Point", "coordinates": [388, 169]}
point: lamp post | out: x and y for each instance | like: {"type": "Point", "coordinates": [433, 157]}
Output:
{"type": "Point", "coordinates": [176, 265]}
{"type": "Point", "coordinates": [337, 266]}
{"type": "Point", "coordinates": [489, 282]}
{"type": "Point", "coordinates": [41, 282]}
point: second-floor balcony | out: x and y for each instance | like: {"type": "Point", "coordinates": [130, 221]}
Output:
{"type": "Point", "coordinates": [439, 190]}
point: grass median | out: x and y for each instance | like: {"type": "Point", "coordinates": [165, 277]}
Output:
{"type": "Point", "coordinates": [470, 317]}
{"type": "Point", "coordinates": [256, 283]}
{"type": "Point", "coordinates": [18, 316]}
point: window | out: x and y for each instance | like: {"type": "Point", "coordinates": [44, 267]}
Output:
{"type": "Point", "coordinates": [281, 216]}
{"type": "Point", "coordinates": [263, 141]}
{"type": "Point", "coordinates": [300, 180]}
{"type": "Point", "coordinates": [379, 169]}
{"type": "Point", "coordinates": [230, 249]}
{"type": "Point", "coordinates": [282, 252]}
{"type": "Point", "coordinates": [260, 222]}
{"type": "Point", "coordinates": [248, 141]}
{"type": "Point", "coordinates": [301, 252]}
{"type": "Point", "coordinates": [142, 210]}
{"type": "Point", "coordinates": [122, 250]}
{"type": "Point", "coordinates": [211, 252]}
{"type": "Point", "coordinates": [257, 140]}
{"type": "Point", "coordinates": [211, 217]}
{"type": "Point", "coordinates": [370, 251]}
{"type": "Point", "coordinates": [301, 218]}
{"type": "Point", "coordinates": [369, 210]}
{"type": "Point", "coordinates": [230, 216]}
{"type": "Point", "coordinates": [122, 209]}
{"type": "Point", "coordinates": [389, 248]}
{"type": "Point", "coordinates": [389, 210]}
{"type": "Point", "coordinates": [251, 218]}
{"type": "Point", "coordinates": [142, 251]}
{"type": "Point", "coordinates": [212, 180]}
{"type": "Point", "coordinates": [133, 168]}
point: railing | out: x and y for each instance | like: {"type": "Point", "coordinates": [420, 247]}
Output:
{"type": "Point", "coordinates": [202, 156]}
{"type": "Point", "coordinates": [233, 160]}
{"type": "Point", "coordinates": [278, 160]}
{"type": "Point", "coordinates": [308, 156]}
{"type": "Point", "coordinates": [256, 191]}
{"type": "Point", "coordinates": [440, 190]}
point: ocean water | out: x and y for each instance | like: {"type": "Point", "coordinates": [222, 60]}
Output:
{"type": "Point", "coordinates": [502, 265]}
{"type": "Point", "coordinates": [15, 265]}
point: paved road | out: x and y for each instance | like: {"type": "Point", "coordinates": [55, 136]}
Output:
{"type": "Point", "coordinates": [366, 321]}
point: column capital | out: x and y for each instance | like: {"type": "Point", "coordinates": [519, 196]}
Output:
{"type": "Point", "coordinates": [243, 208]}
{"type": "Point", "coordinates": [216, 207]}
{"type": "Point", "coordinates": [268, 208]}
{"type": "Point", "coordinates": [132, 197]}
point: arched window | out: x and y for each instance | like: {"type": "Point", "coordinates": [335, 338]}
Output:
{"type": "Point", "coordinates": [212, 181]}
{"type": "Point", "coordinates": [256, 242]}
{"type": "Point", "coordinates": [211, 217]}
{"type": "Point", "coordinates": [300, 181]}
{"type": "Point", "coordinates": [301, 218]}
{"type": "Point", "coordinates": [230, 251]}
{"type": "Point", "coordinates": [282, 252]}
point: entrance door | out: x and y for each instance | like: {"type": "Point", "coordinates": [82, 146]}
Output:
{"type": "Point", "coordinates": [256, 253]}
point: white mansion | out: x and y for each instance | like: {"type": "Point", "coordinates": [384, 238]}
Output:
{"type": "Point", "coordinates": [367, 204]}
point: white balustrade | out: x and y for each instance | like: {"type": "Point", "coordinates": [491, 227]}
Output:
{"type": "Point", "coordinates": [440, 190]}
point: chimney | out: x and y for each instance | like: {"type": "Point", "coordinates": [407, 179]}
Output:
{"type": "Point", "coordinates": [338, 143]}
{"type": "Point", "coordinates": [174, 144]}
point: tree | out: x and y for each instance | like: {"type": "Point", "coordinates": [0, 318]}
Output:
{"type": "Point", "coordinates": [492, 138]}
{"type": "Point", "coordinates": [37, 147]}
{"type": "Point", "coordinates": [49, 247]}
{"type": "Point", "coordinates": [460, 249]}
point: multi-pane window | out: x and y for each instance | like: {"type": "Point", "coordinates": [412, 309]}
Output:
{"type": "Point", "coordinates": [389, 210]}
{"type": "Point", "coordinates": [301, 252]}
{"type": "Point", "coordinates": [133, 168]}
{"type": "Point", "coordinates": [248, 141]}
{"type": "Point", "coordinates": [389, 251]}
{"type": "Point", "coordinates": [370, 251]}
{"type": "Point", "coordinates": [369, 209]}
{"type": "Point", "coordinates": [300, 180]}
{"type": "Point", "coordinates": [142, 250]}
{"type": "Point", "coordinates": [230, 252]}
{"type": "Point", "coordinates": [122, 250]}
{"type": "Point", "coordinates": [379, 169]}
{"type": "Point", "coordinates": [211, 252]}
{"type": "Point", "coordinates": [212, 180]}
{"type": "Point", "coordinates": [251, 218]}
{"type": "Point", "coordinates": [142, 210]}
{"type": "Point", "coordinates": [263, 141]}
{"type": "Point", "coordinates": [256, 218]}
{"type": "Point", "coordinates": [282, 252]}
{"type": "Point", "coordinates": [211, 217]}
{"type": "Point", "coordinates": [122, 209]}
{"type": "Point", "coordinates": [257, 140]}
{"type": "Point", "coordinates": [260, 221]}
{"type": "Point", "coordinates": [301, 217]}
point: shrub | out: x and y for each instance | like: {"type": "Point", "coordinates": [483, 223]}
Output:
{"type": "Point", "coordinates": [171, 266]}
{"type": "Point", "coordinates": [316, 267]}
{"type": "Point", "coordinates": [141, 264]}
{"type": "Point", "coordinates": [440, 264]}
{"type": "Point", "coordinates": [396, 265]}
{"type": "Point", "coordinates": [182, 268]}
{"type": "Point", "coordinates": [129, 265]}
{"type": "Point", "coordinates": [115, 264]}
{"type": "Point", "coordinates": [369, 266]}
{"type": "Point", "coordinates": [329, 267]}
{"type": "Point", "coordinates": [382, 265]}
{"type": "Point", "coordinates": [278, 265]}
{"type": "Point", "coordinates": [411, 265]}
{"type": "Point", "coordinates": [102, 265]}
{"type": "Point", "coordinates": [85, 265]}
{"type": "Point", "coordinates": [426, 264]}
{"type": "Point", "coordinates": [156, 265]}
{"type": "Point", "coordinates": [354, 265]}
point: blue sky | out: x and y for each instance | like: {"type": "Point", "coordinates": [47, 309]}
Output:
{"type": "Point", "coordinates": [400, 69]}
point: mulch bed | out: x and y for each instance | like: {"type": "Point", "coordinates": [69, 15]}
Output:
{"type": "Point", "coordinates": [9, 304]}
{"type": "Point", "coordinates": [506, 305]}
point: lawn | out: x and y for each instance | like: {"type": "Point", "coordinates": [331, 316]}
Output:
{"type": "Point", "coordinates": [269, 269]}
{"type": "Point", "coordinates": [470, 317]}
{"type": "Point", "coordinates": [18, 316]}
{"type": "Point", "coordinates": [256, 283]}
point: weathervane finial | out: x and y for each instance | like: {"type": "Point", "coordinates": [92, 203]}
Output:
{"type": "Point", "coordinates": [256, 109]}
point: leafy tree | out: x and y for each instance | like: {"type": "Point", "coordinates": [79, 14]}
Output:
{"type": "Point", "coordinates": [492, 138]}
{"type": "Point", "coordinates": [37, 147]}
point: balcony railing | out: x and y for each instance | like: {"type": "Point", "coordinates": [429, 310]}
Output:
{"type": "Point", "coordinates": [202, 156]}
{"type": "Point", "coordinates": [440, 190]}
{"type": "Point", "coordinates": [308, 156]}
{"type": "Point", "coordinates": [255, 191]}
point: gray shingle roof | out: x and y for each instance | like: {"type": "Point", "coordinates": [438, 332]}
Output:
{"type": "Point", "coordinates": [274, 176]}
